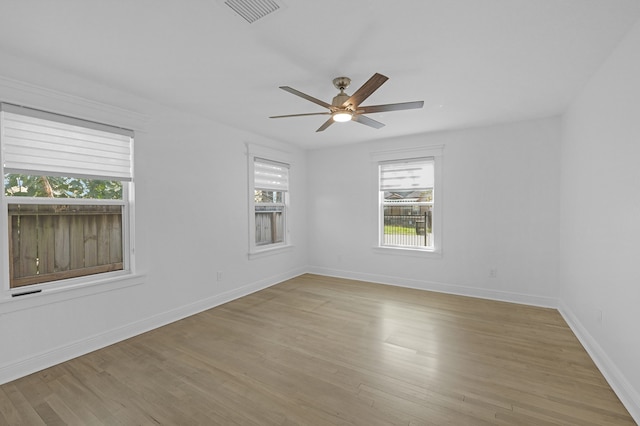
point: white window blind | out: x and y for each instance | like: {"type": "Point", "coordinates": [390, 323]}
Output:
{"type": "Point", "coordinates": [270, 175]}
{"type": "Point", "coordinates": [406, 175]}
{"type": "Point", "coordinates": [42, 143]}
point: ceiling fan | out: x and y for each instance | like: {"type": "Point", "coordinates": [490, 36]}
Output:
{"type": "Point", "coordinates": [346, 108]}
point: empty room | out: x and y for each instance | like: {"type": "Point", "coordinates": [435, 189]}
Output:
{"type": "Point", "coordinates": [278, 212]}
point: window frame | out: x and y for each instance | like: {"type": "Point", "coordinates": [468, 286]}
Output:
{"type": "Point", "coordinates": [114, 279]}
{"type": "Point", "coordinates": [434, 152]}
{"type": "Point", "coordinates": [258, 152]}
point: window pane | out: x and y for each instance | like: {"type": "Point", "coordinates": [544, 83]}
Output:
{"type": "Point", "coordinates": [16, 185]}
{"type": "Point", "coordinates": [408, 225]}
{"type": "Point", "coordinates": [265, 196]}
{"type": "Point", "coordinates": [420, 196]}
{"type": "Point", "coordinates": [53, 242]}
{"type": "Point", "coordinates": [269, 224]}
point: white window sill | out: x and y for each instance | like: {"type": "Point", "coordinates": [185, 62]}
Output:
{"type": "Point", "coordinates": [74, 289]}
{"type": "Point", "coordinates": [408, 251]}
{"type": "Point", "coordinates": [269, 251]}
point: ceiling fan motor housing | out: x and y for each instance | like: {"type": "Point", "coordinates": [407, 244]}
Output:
{"type": "Point", "coordinates": [339, 99]}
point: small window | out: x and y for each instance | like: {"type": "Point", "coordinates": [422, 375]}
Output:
{"type": "Point", "coordinates": [408, 184]}
{"type": "Point", "coordinates": [67, 188]}
{"type": "Point", "coordinates": [406, 202]}
{"type": "Point", "coordinates": [270, 200]}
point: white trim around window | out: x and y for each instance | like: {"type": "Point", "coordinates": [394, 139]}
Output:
{"type": "Point", "coordinates": [281, 163]}
{"type": "Point", "coordinates": [434, 152]}
{"type": "Point", "coordinates": [65, 130]}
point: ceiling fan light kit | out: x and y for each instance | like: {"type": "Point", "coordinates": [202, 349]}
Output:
{"type": "Point", "coordinates": [342, 116]}
{"type": "Point", "coordinates": [347, 108]}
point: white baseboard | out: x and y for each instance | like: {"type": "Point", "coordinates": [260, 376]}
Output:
{"type": "Point", "coordinates": [40, 361]}
{"type": "Point", "coordinates": [629, 396]}
{"type": "Point", "coordinates": [526, 299]}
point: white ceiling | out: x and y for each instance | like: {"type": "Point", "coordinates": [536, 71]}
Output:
{"type": "Point", "coordinates": [473, 62]}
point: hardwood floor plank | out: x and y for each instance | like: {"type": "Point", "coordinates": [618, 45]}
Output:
{"type": "Point", "coordinates": [18, 408]}
{"type": "Point", "coordinates": [327, 351]}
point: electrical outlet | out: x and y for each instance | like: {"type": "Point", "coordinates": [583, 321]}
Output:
{"type": "Point", "coordinates": [219, 276]}
{"type": "Point", "coordinates": [493, 272]}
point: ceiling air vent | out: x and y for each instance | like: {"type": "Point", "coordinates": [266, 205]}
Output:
{"type": "Point", "coordinates": [252, 10]}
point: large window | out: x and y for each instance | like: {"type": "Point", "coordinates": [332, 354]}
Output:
{"type": "Point", "coordinates": [270, 193]}
{"type": "Point", "coordinates": [66, 198]}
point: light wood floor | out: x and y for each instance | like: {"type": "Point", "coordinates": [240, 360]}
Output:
{"type": "Point", "coordinates": [325, 351]}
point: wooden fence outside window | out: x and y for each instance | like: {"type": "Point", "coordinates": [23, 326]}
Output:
{"type": "Point", "coordinates": [53, 242]}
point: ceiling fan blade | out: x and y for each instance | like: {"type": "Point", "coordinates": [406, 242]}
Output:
{"type": "Point", "coordinates": [391, 107]}
{"type": "Point", "coordinates": [326, 124]}
{"type": "Point", "coordinates": [367, 121]}
{"type": "Point", "coordinates": [305, 96]}
{"type": "Point", "coordinates": [300, 115]}
{"type": "Point", "coordinates": [365, 90]}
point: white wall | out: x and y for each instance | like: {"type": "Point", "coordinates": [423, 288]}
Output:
{"type": "Point", "coordinates": [500, 211]}
{"type": "Point", "coordinates": [509, 191]}
{"type": "Point", "coordinates": [600, 219]}
{"type": "Point", "coordinates": [191, 222]}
